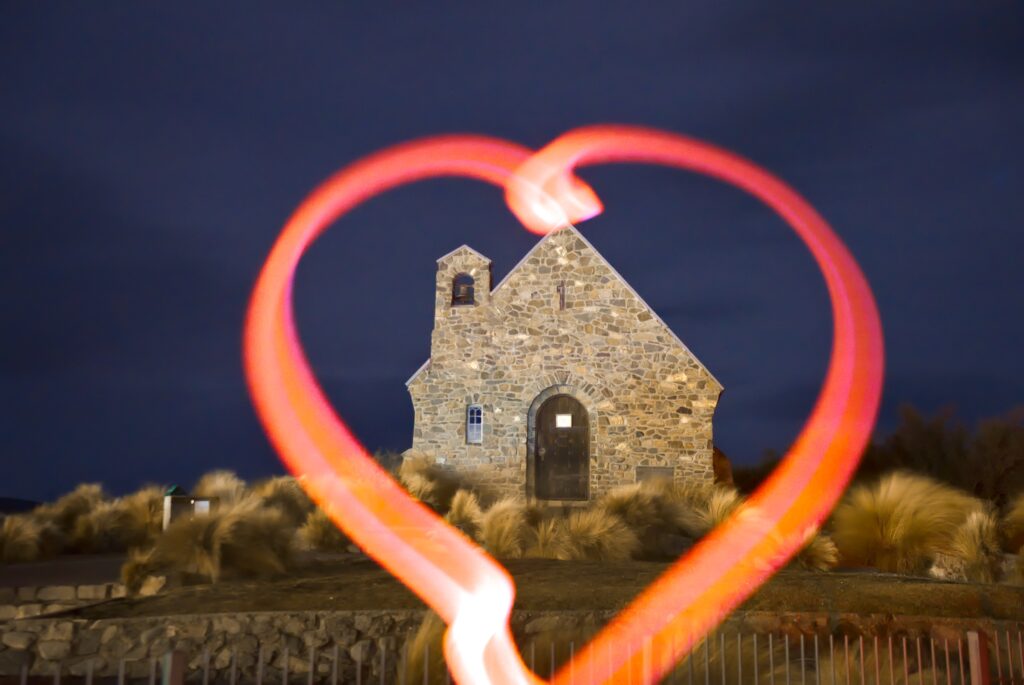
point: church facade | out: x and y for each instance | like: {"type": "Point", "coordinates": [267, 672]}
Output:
{"type": "Point", "coordinates": [560, 382]}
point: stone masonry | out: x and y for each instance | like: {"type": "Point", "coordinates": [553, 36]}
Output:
{"type": "Point", "coordinates": [562, 322]}
{"type": "Point", "coordinates": [369, 646]}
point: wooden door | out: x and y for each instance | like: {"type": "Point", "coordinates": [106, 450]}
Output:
{"type": "Point", "coordinates": [562, 450]}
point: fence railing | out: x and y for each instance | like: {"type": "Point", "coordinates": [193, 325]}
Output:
{"type": "Point", "coordinates": [726, 658]}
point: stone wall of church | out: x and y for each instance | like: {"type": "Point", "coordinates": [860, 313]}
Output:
{"type": "Point", "coordinates": [650, 402]}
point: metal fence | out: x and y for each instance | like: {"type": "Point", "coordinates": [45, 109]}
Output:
{"type": "Point", "coordinates": [973, 658]}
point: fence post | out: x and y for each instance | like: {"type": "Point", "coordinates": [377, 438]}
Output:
{"type": "Point", "coordinates": [173, 672]}
{"type": "Point", "coordinates": [977, 654]}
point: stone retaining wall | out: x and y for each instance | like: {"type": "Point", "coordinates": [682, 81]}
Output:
{"type": "Point", "coordinates": [46, 644]}
{"type": "Point", "coordinates": [26, 602]}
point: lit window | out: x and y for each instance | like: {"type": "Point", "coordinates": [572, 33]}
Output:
{"type": "Point", "coordinates": [563, 420]}
{"type": "Point", "coordinates": [462, 290]}
{"type": "Point", "coordinates": [474, 424]}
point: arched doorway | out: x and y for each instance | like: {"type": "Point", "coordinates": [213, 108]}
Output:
{"type": "Point", "coordinates": [561, 450]}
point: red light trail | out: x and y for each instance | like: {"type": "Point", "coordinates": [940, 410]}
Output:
{"type": "Point", "coordinates": [471, 592]}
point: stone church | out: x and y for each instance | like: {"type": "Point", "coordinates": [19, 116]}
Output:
{"type": "Point", "coordinates": [560, 382]}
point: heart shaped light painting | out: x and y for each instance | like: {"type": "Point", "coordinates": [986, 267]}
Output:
{"type": "Point", "coordinates": [472, 592]}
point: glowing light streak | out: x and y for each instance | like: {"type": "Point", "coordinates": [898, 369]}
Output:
{"type": "Point", "coordinates": [469, 590]}
{"type": "Point", "coordinates": [725, 568]}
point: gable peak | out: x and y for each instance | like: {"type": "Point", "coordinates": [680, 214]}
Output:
{"type": "Point", "coordinates": [463, 250]}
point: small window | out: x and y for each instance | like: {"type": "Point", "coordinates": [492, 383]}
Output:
{"type": "Point", "coordinates": [474, 424]}
{"type": "Point", "coordinates": [561, 295]}
{"type": "Point", "coordinates": [462, 290]}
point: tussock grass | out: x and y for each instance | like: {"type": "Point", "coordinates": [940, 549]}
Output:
{"type": "Point", "coordinates": [1013, 525]}
{"type": "Point", "coordinates": [423, 661]}
{"type": "Point", "coordinates": [26, 538]}
{"type": "Point", "coordinates": [900, 522]}
{"type": "Point", "coordinates": [599, 535]}
{"type": "Point", "coordinates": [820, 554]}
{"type": "Point", "coordinates": [319, 533]}
{"type": "Point", "coordinates": [973, 552]}
{"type": "Point", "coordinates": [837, 664]}
{"type": "Point", "coordinates": [720, 503]}
{"type": "Point", "coordinates": [248, 540]}
{"type": "Point", "coordinates": [285, 494]}
{"type": "Point", "coordinates": [550, 540]}
{"type": "Point", "coordinates": [652, 510]}
{"type": "Point", "coordinates": [428, 482]}
{"type": "Point", "coordinates": [505, 530]}
{"type": "Point", "coordinates": [224, 485]}
{"type": "Point", "coordinates": [465, 513]}
{"type": "Point", "coordinates": [545, 651]}
{"type": "Point", "coordinates": [121, 524]}
{"type": "Point", "coordinates": [68, 508]}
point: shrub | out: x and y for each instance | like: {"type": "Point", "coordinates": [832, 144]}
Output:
{"type": "Point", "coordinates": [653, 510]}
{"type": "Point", "coordinates": [424, 653]}
{"type": "Point", "coordinates": [819, 554]}
{"type": "Point", "coordinates": [465, 513]}
{"type": "Point", "coordinates": [1013, 524]}
{"type": "Point", "coordinates": [598, 535]}
{"type": "Point", "coordinates": [973, 553]}
{"type": "Point", "coordinates": [550, 540]}
{"type": "Point", "coordinates": [118, 525]}
{"type": "Point", "coordinates": [241, 541]}
{"type": "Point", "coordinates": [21, 539]}
{"type": "Point", "coordinates": [899, 523]}
{"type": "Point", "coordinates": [223, 485]}
{"type": "Point", "coordinates": [285, 494]}
{"type": "Point", "coordinates": [546, 650]}
{"type": "Point", "coordinates": [320, 533]}
{"type": "Point", "coordinates": [719, 504]}
{"type": "Point", "coordinates": [428, 482]}
{"type": "Point", "coordinates": [65, 511]}
{"type": "Point", "coordinates": [505, 529]}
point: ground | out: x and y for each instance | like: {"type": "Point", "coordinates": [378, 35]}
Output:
{"type": "Point", "coordinates": [359, 584]}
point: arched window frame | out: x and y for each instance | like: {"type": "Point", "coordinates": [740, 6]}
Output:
{"type": "Point", "coordinates": [474, 424]}
{"type": "Point", "coordinates": [463, 290]}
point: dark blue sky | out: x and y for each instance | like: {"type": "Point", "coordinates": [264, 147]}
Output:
{"type": "Point", "coordinates": [149, 154]}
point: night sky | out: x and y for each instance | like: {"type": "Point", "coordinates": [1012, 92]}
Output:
{"type": "Point", "coordinates": [150, 153]}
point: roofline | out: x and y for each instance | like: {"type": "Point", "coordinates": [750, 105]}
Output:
{"type": "Point", "coordinates": [446, 256]}
{"type": "Point", "coordinates": [417, 372]}
{"type": "Point", "coordinates": [573, 229]}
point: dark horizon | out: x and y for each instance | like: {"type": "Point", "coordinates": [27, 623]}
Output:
{"type": "Point", "coordinates": [151, 155]}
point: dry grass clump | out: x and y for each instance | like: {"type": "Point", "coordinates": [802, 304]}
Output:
{"type": "Point", "coordinates": [25, 538]}
{"type": "Point", "coordinates": [720, 503]}
{"type": "Point", "coordinates": [319, 533]}
{"type": "Point", "coordinates": [428, 482]}
{"type": "Point", "coordinates": [121, 524]}
{"type": "Point", "coordinates": [899, 523]}
{"type": "Point", "coordinates": [512, 529]}
{"type": "Point", "coordinates": [423, 660]}
{"type": "Point", "coordinates": [820, 554]}
{"type": "Point", "coordinates": [599, 535]}
{"type": "Point", "coordinates": [224, 485]}
{"type": "Point", "coordinates": [285, 494]}
{"type": "Point", "coordinates": [244, 541]}
{"type": "Point", "coordinates": [545, 651]}
{"type": "Point", "coordinates": [653, 510]}
{"type": "Point", "coordinates": [973, 553]}
{"type": "Point", "coordinates": [1013, 524]}
{"type": "Point", "coordinates": [505, 529]}
{"type": "Point", "coordinates": [67, 509]}
{"type": "Point", "coordinates": [465, 513]}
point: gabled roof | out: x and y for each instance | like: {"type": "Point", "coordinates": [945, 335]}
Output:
{"type": "Point", "coordinates": [465, 248]}
{"type": "Point", "coordinates": [575, 231]}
